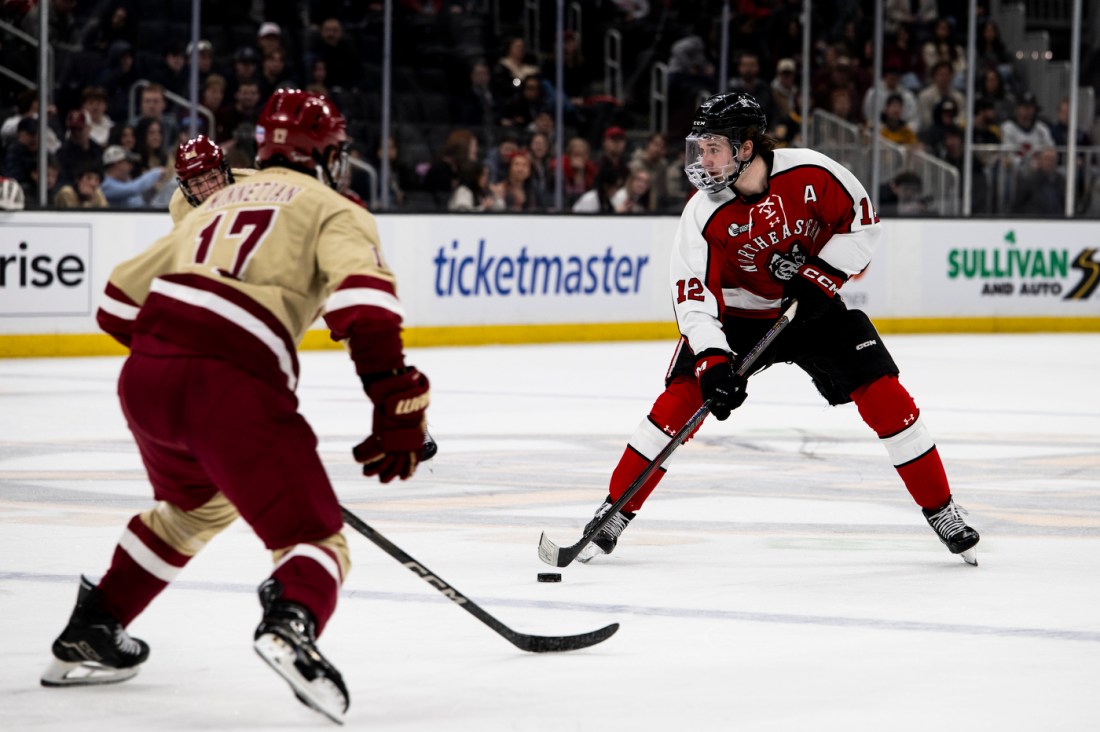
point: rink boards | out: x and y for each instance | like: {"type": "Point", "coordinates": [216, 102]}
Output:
{"type": "Point", "coordinates": [524, 279]}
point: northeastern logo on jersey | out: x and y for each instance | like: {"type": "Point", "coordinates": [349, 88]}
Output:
{"type": "Point", "coordinates": [770, 228]}
{"type": "Point", "coordinates": [784, 266]}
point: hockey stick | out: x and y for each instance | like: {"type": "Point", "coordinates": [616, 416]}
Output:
{"type": "Point", "coordinates": [532, 643]}
{"type": "Point", "coordinates": [552, 554]}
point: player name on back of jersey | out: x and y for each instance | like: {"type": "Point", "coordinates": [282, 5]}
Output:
{"type": "Point", "coordinates": [270, 191]}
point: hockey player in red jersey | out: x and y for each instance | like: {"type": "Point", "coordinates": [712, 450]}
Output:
{"type": "Point", "coordinates": [769, 225]}
{"type": "Point", "coordinates": [212, 314]}
{"type": "Point", "coordinates": [201, 171]}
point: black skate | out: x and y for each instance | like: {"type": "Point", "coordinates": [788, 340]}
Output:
{"type": "Point", "coordinates": [949, 525]}
{"type": "Point", "coordinates": [286, 639]}
{"type": "Point", "coordinates": [605, 541]}
{"type": "Point", "coordinates": [94, 648]}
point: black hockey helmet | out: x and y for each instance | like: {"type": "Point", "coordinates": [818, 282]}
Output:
{"type": "Point", "coordinates": [735, 116]}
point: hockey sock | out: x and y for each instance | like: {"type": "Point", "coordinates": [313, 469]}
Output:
{"type": "Point", "coordinates": [311, 575]}
{"type": "Point", "coordinates": [669, 413]}
{"type": "Point", "coordinates": [142, 566]}
{"type": "Point", "coordinates": [890, 411]}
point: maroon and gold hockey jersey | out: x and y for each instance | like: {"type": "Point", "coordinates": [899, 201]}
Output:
{"type": "Point", "coordinates": [245, 274]}
{"type": "Point", "coordinates": [733, 254]}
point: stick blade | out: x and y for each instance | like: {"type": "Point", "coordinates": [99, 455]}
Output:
{"type": "Point", "coordinates": [557, 644]}
{"type": "Point", "coordinates": [551, 553]}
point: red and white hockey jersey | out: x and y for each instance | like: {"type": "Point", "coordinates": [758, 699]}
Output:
{"type": "Point", "coordinates": [734, 254]}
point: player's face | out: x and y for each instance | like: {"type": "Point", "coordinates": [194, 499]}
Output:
{"type": "Point", "coordinates": [715, 154]}
{"type": "Point", "coordinates": [709, 162]}
{"type": "Point", "coordinates": [206, 184]}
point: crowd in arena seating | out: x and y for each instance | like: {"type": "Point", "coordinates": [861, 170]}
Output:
{"type": "Point", "coordinates": [473, 109]}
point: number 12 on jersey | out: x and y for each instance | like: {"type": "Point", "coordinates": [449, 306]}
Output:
{"type": "Point", "coordinates": [689, 290]}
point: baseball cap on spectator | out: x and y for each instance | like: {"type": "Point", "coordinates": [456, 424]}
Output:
{"type": "Point", "coordinates": [77, 120]}
{"type": "Point", "coordinates": [115, 154]}
{"type": "Point", "coordinates": [1027, 98]}
{"type": "Point", "coordinates": [205, 46]}
{"type": "Point", "coordinates": [269, 29]}
{"type": "Point", "coordinates": [246, 55]}
{"type": "Point", "coordinates": [785, 64]}
{"type": "Point", "coordinates": [946, 105]}
{"type": "Point", "coordinates": [614, 133]}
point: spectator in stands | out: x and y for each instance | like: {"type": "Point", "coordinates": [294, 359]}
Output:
{"type": "Point", "coordinates": [21, 155]}
{"type": "Point", "coordinates": [245, 111]}
{"type": "Point", "coordinates": [634, 196]}
{"type": "Point", "coordinates": [598, 198]}
{"type": "Point", "coordinates": [993, 89]}
{"type": "Point", "coordinates": [986, 129]}
{"type": "Point", "coordinates": [835, 72]}
{"type": "Point", "coordinates": [154, 105]}
{"type": "Point", "coordinates": [270, 38]}
{"type": "Point", "coordinates": [952, 150]}
{"type": "Point", "coordinates": [172, 72]}
{"type": "Point", "coordinates": [206, 61]}
{"type": "Point", "coordinates": [748, 80]}
{"type": "Point", "coordinates": [151, 146]}
{"type": "Point", "coordinates": [124, 137]}
{"type": "Point", "coordinates": [113, 23]}
{"type": "Point", "coordinates": [903, 195]}
{"type": "Point", "coordinates": [613, 151]}
{"type": "Point", "coordinates": [79, 151]}
{"type": "Point", "coordinates": [942, 46]}
{"type": "Point", "coordinates": [940, 89]}
{"type": "Point", "coordinates": [784, 88]}
{"type": "Point", "coordinates": [93, 100]}
{"type": "Point", "coordinates": [512, 68]}
{"type": "Point", "coordinates": [525, 104]}
{"type": "Point", "coordinates": [274, 75]}
{"type": "Point", "coordinates": [53, 174]}
{"type": "Point", "coordinates": [475, 106]}
{"type": "Point", "coordinates": [653, 159]}
{"type": "Point", "coordinates": [344, 69]}
{"type": "Point", "coordinates": [442, 177]}
{"type": "Point", "coordinates": [1026, 133]}
{"type": "Point", "coordinates": [26, 106]}
{"type": "Point", "coordinates": [542, 181]}
{"type": "Point", "coordinates": [63, 31]}
{"type": "Point", "coordinates": [943, 119]}
{"type": "Point", "coordinates": [497, 158]}
{"type": "Point", "coordinates": [894, 128]}
{"type": "Point", "coordinates": [246, 69]}
{"type": "Point", "coordinates": [875, 98]}
{"type": "Point", "coordinates": [403, 175]}
{"type": "Point", "coordinates": [119, 188]}
{"type": "Point", "coordinates": [578, 170]}
{"type": "Point", "coordinates": [1040, 188]}
{"type": "Point", "coordinates": [473, 193]}
{"type": "Point", "coordinates": [119, 74]}
{"type": "Point", "coordinates": [1059, 129]}
{"type": "Point", "coordinates": [517, 190]}
{"type": "Point", "coordinates": [991, 53]}
{"type": "Point", "coordinates": [543, 124]}
{"type": "Point", "coordinates": [898, 50]}
{"type": "Point", "coordinates": [576, 74]}
{"type": "Point", "coordinates": [842, 105]}
{"type": "Point", "coordinates": [85, 192]}
{"type": "Point", "coordinates": [915, 15]}
{"type": "Point", "coordinates": [690, 73]}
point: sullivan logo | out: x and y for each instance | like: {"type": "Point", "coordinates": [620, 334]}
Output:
{"type": "Point", "coordinates": [1001, 271]}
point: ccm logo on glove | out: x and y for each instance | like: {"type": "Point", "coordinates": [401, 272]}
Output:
{"type": "Point", "coordinates": [821, 279]}
{"type": "Point", "coordinates": [415, 404]}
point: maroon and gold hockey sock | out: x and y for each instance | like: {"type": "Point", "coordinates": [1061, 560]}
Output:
{"type": "Point", "coordinates": [142, 566]}
{"type": "Point", "coordinates": [670, 412]}
{"type": "Point", "coordinates": [310, 575]}
{"type": "Point", "coordinates": [890, 411]}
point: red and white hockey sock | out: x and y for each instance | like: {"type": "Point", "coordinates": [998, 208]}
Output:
{"type": "Point", "coordinates": [890, 411]}
{"type": "Point", "coordinates": [310, 576]}
{"type": "Point", "coordinates": [669, 413]}
{"type": "Point", "coordinates": [142, 566]}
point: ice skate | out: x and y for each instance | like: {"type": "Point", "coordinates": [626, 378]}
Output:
{"type": "Point", "coordinates": [94, 648]}
{"type": "Point", "coordinates": [286, 640]}
{"type": "Point", "coordinates": [949, 525]}
{"type": "Point", "coordinates": [605, 541]}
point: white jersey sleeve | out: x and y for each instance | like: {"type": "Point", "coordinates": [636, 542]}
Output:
{"type": "Point", "coordinates": [695, 274]}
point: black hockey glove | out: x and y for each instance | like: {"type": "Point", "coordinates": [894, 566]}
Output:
{"type": "Point", "coordinates": [814, 285]}
{"type": "Point", "coordinates": [399, 438]}
{"type": "Point", "coordinates": [723, 386]}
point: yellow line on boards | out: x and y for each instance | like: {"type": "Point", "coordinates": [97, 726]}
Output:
{"type": "Point", "coordinates": [98, 344]}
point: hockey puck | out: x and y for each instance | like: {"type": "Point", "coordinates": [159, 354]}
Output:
{"type": "Point", "coordinates": [549, 577]}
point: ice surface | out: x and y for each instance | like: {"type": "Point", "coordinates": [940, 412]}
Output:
{"type": "Point", "coordinates": [780, 579]}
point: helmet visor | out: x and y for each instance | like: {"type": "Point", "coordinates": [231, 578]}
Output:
{"type": "Point", "coordinates": [709, 161]}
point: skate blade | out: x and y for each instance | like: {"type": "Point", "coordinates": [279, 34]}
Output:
{"type": "Point", "coordinates": [589, 553]}
{"type": "Point", "coordinates": [970, 556]}
{"type": "Point", "coordinates": [84, 673]}
{"type": "Point", "coordinates": [320, 695]}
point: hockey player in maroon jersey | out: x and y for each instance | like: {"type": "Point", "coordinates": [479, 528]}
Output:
{"type": "Point", "coordinates": [212, 314]}
{"type": "Point", "coordinates": [201, 171]}
{"type": "Point", "coordinates": [769, 225]}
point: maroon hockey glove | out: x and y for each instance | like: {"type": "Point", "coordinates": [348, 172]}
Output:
{"type": "Point", "coordinates": [814, 285]}
{"type": "Point", "coordinates": [723, 386]}
{"type": "Point", "coordinates": [394, 447]}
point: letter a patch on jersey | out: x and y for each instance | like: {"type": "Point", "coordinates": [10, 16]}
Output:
{"type": "Point", "coordinates": [809, 194]}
